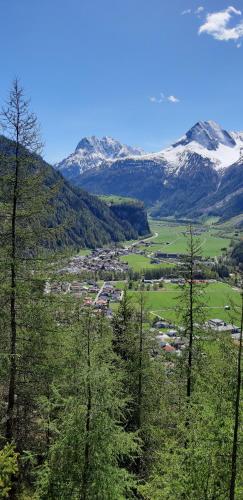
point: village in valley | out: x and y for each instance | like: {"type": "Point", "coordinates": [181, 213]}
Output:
{"type": "Point", "coordinates": [99, 277]}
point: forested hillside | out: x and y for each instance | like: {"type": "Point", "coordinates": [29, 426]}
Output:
{"type": "Point", "coordinates": [83, 219]}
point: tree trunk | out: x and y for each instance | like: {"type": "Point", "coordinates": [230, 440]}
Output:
{"type": "Point", "coordinates": [189, 366]}
{"type": "Point", "coordinates": [140, 367]}
{"type": "Point", "coordinates": [87, 423]}
{"type": "Point", "coordinates": [237, 413]}
{"type": "Point", "coordinates": [13, 326]}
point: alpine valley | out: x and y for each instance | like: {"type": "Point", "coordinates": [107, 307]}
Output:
{"type": "Point", "coordinates": [200, 174]}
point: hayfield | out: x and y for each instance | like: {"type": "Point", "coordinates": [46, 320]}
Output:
{"type": "Point", "coordinates": [215, 296]}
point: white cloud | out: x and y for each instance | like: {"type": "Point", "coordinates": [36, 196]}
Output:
{"type": "Point", "coordinates": [163, 98]}
{"type": "Point", "coordinates": [172, 98]}
{"type": "Point", "coordinates": [185, 12]}
{"type": "Point", "coordinates": [217, 25]}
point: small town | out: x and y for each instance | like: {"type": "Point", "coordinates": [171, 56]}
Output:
{"type": "Point", "coordinates": [101, 259]}
{"type": "Point", "coordinates": [107, 259]}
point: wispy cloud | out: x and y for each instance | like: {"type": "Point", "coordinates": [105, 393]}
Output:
{"type": "Point", "coordinates": [154, 99]}
{"type": "Point", "coordinates": [217, 25]}
{"type": "Point", "coordinates": [163, 98]}
{"type": "Point", "coordinates": [185, 12]}
{"type": "Point", "coordinates": [199, 11]}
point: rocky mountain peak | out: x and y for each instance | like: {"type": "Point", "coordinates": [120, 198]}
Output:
{"type": "Point", "coordinates": [209, 135]}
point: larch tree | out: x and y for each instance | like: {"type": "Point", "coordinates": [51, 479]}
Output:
{"type": "Point", "coordinates": [25, 210]}
{"type": "Point", "coordinates": [237, 410]}
{"type": "Point", "coordinates": [88, 443]}
{"type": "Point", "coordinates": [20, 125]}
{"type": "Point", "coordinates": [191, 303]}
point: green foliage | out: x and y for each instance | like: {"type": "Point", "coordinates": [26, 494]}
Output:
{"type": "Point", "coordinates": [144, 377]}
{"type": "Point", "coordinates": [8, 467]}
{"type": "Point", "coordinates": [195, 459]}
{"type": "Point", "coordinates": [88, 441]}
{"type": "Point", "coordinates": [237, 253]}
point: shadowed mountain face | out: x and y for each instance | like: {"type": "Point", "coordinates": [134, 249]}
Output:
{"type": "Point", "coordinates": [200, 173]}
{"type": "Point", "coordinates": [87, 221]}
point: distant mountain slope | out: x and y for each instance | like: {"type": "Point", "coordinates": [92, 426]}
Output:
{"type": "Point", "coordinates": [227, 200]}
{"type": "Point", "coordinates": [87, 220]}
{"type": "Point", "coordinates": [200, 173]}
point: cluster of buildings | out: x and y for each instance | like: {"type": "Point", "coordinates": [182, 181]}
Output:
{"type": "Point", "coordinates": [161, 256]}
{"type": "Point", "coordinates": [220, 326]}
{"type": "Point", "coordinates": [76, 288]}
{"type": "Point", "coordinates": [107, 294]}
{"type": "Point", "coordinates": [170, 339]}
{"type": "Point", "coordinates": [90, 293]}
{"type": "Point", "coordinates": [101, 259]}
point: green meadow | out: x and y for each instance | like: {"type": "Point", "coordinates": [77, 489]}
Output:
{"type": "Point", "coordinates": [215, 296]}
{"type": "Point", "coordinates": [171, 238]}
{"type": "Point", "coordinates": [140, 262]}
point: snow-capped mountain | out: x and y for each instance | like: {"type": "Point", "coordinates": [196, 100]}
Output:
{"type": "Point", "coordinates": [182, 179]}
{"type": "Point", "coordinates": [207, 140]}
{"type": "Point", "coordinates": [92, 152]}
{"type": "Point", "coordinates": [210, 141]}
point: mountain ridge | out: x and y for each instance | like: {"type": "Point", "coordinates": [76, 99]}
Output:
{"type": "Point", "coordinates": [182, 178]}
{"type": "Point", "coordinates": [92, 152]}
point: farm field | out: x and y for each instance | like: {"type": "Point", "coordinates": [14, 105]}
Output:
{"type": "Point", "coordinates": [165, 301]}
{"type": "Point", "coordinates": [171, 238]}
{"type": "Point", "coordinates": [140, 262]}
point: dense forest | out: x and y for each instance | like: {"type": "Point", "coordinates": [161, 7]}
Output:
{"type": "Point", "coordinates": [83, 220]}
{"type": "Point", "coordinates": [92, 408]}
{"type": "Point", "coordinates": [237, 254]}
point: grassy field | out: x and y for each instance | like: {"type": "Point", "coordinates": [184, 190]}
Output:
{"type": "Point", "coordinates": [172, 239]}
{"type": "Point", "coordinates": [164, 302]}
{"type": "Point", "coordinates": [140, 262]}
{"type": "Point", "coordinates": [116, 199]}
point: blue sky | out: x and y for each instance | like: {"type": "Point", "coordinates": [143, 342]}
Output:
{"type": "Point", "coordinates": [118, 67]}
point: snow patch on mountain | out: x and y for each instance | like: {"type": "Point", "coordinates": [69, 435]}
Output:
{"type": "Point", "coordinates": [208, 141]}
{"type": "Point", "coordinates": [205, 144]}
{"type": "Point", "coordinates": [92, 152]}
{"type": "Point", "coordinates": [207, 134]}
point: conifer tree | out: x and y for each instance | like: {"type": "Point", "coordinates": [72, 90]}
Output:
{"type": "Point", "coordinates": [200, 470]}
{"type": "Point", "coordinates": [85, 453]}
{"type": "Point", "coordinates": [21, 126]}
{"type": "Point", "coordinates": [191, 303]}
{"type": "Point", "coordinates": [143, 377]}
